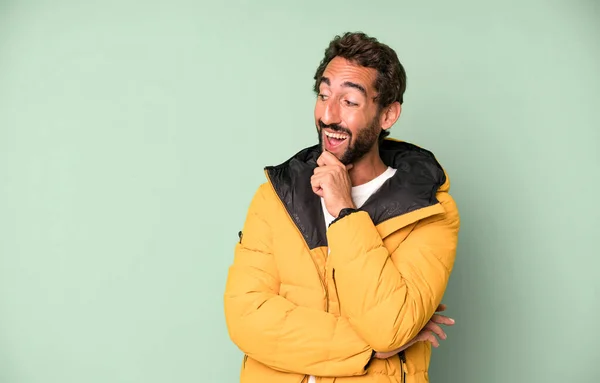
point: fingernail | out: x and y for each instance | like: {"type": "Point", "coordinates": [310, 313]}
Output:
{"type": "Point", "coordinates": [452, 320]}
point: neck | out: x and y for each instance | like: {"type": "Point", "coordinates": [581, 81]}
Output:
{"type": "Point", "coordinates": [367, 168]}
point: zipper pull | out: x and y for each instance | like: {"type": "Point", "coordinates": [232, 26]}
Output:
{"type": "Point", "coordinates": [403, 363]}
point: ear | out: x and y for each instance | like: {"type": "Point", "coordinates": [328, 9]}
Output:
{"type": "Point", "coordinates": [390, 115]}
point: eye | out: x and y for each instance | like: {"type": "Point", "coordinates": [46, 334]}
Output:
{"type": "Point", "coordinates": [322, 96]}
{"type": "Point", "coordinates": [350, 103]}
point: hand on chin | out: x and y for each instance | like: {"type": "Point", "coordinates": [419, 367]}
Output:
{"type": "Point", "coordinates": [331, 182]}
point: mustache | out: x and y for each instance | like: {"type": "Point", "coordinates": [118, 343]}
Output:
{"type": "Point", "coordinates": [335, 127]}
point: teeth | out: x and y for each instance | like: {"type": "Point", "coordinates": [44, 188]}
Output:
{"type": "Point", "coordinates": [336, 135]}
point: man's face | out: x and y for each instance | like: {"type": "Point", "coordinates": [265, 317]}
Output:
{"type": "Point", "coordinates": [346, 114]}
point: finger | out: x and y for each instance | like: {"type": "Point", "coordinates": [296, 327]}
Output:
{"type": "Point", "coordinates": [327, 169]}
{"type": "Point", "coordinates": [429, 337]}
{"type": "Point", "coordinates": [320, 160]}
{"type": "Point", "coordinates": [440, 308]}
{"type": "Point", "coordinates": [315, 184]}
{"type": "Point", "coordinates": [434, 342]}
{"type": "Point", "coordinates": [318, 191]}
{"type": "Point", "coordinates": [322, 169]}
{"type": "Point", "coordinates": [328, 158]}
{"type": "Point", "coordinates": [318, 178]}
{"type": "Point", "coordinates": [442, 319]}
{"type": "Point", "coordinates": [321, 180]}
{"type": "Point", "coordinates": [437, 330]}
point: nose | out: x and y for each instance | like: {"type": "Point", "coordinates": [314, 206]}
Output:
{"type": "Point", "coordinates": [331, 114]}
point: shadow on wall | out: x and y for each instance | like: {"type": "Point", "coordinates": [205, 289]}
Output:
{"type": "Point", "coordinates": [481, 295]}
{"type": "Point", "coordinates": [467, 297]}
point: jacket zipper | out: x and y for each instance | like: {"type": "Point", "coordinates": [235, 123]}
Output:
{"type": "Point", "coordinates": [323, 282]}
{"type": "Point", "coordinates": [402, 366]}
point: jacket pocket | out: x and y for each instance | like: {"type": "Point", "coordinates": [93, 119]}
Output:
{"type": "Point", "coordinates": [337, 295]}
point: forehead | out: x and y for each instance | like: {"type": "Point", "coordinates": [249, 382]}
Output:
{"type": "Point", "coordinates": [339, 70]}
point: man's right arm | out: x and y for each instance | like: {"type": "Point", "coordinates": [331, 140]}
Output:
{"type": "Point", "coordinates": [274, 331]}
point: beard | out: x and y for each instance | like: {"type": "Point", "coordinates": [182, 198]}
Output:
{"type": "Point", "coordinates": [357, 147]}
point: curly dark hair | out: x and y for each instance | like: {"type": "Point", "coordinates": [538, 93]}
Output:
{"type": "Point", "coordinates": [367, 51]}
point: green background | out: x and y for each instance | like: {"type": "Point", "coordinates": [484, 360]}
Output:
{"type": "Point", "coordinates": [133, 135]}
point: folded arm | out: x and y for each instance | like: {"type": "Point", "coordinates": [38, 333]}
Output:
{"type": "Point", "coordinates": [389, 298]}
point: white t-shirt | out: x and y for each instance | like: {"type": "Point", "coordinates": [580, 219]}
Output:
{"type": "Point", "coordinates": [360, 194]}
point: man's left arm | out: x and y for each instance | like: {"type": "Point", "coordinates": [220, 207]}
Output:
{"type": "Point", "coordinates": [389, 298]}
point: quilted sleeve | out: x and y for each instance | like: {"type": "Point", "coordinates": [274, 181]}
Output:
{"type": "Point", "coordinates": [388, 298]}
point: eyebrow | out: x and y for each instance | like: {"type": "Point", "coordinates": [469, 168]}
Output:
{"type": "Point", "coordinates": [355, 86]}
{"type": "Point", "coordinates": [347, 84]}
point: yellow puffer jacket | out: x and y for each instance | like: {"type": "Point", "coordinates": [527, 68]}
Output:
{"type": "Point", "coordinates": [294, 311]}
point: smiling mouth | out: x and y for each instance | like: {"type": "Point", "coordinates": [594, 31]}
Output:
{"type": "Point", "coordinates": [336, 136]}
{"type": "Point", "coordinates": [334, 140]}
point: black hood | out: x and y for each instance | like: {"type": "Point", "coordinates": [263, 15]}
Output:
{"type": "Point", "coordinates": [413, 186]}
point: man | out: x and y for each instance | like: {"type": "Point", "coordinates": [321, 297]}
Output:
{"type": "Point", "coordinates": [347, 249]}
